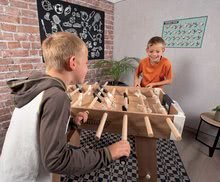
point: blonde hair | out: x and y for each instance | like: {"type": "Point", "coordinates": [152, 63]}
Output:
{"type": "Point", "coordinates": [58, 49]}
{"type": "Point", "coordinates": [156, 40]}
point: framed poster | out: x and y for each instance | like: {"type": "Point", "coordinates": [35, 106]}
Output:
{"type": "Point", "coordinates": [87, 23]}
{"type": "Point", "coordinates": [184, 33]}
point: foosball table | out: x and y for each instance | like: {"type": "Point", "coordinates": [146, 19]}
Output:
{"type": "Point", "coordinates": [145, 113]}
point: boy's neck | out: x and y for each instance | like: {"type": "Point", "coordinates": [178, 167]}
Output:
{"type": "Point", "coordinates": [62, 75]}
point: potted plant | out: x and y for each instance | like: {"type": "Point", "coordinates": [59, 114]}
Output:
{"type": "Point", "coordinates": [217, 113]}
{"type": "Point", "coordinates": [115, 68]}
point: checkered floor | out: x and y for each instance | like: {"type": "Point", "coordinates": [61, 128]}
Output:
{"type": "Point", "coordinates": [169, 165]}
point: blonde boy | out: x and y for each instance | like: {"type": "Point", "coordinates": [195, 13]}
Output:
{"type": "Point", "coordinates": [156, 70]}
{"type": "Point", "coordinates": [36, 144]}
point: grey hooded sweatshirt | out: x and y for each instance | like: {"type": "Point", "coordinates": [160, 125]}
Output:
{"type": "Point", "coordinates": [36, 142]}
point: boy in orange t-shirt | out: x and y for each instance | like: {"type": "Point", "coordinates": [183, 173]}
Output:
{"type": "Point", "coordinates": [156, 70]}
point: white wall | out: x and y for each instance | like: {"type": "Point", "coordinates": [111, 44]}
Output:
{"type": "Point", "coordinates": [196, 84]}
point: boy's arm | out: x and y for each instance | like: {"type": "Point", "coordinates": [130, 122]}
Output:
{"type": "Point", "coordinates": [161, 83]}
{"type": "Point", "coordinates": [56, 154]}
{"type": "Point", "coordinates": [136, 80]}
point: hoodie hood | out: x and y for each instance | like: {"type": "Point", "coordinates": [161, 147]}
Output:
{"type": "Point", "coordinates": [25, 90]}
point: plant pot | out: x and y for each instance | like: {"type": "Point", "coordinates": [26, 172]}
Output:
{"type": "Point", "coordinates": [217, 116]}
{"type": "Point", "coordinates": [116, 83]}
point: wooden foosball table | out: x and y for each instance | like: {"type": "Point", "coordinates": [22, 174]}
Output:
{"type": "Point", "coordinates": [145, 113]}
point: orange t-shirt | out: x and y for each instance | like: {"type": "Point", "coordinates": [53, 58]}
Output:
{"type": "Point", "coordinates": [154, 73]}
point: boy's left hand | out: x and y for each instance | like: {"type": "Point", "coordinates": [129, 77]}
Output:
{"type": "Point", "coordinates": [151, 85]}
{"type": "Point", "coordinates": [81, 117]}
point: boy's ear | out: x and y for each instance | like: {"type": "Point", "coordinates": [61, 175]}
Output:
{"type": "Point", "coordinates": [71, 65]}
{"type": "Point", "coordinates": [164, 49]}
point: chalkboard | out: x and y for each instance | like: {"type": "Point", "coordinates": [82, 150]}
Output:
{"type": "Point", "coordinates": [87, 23]}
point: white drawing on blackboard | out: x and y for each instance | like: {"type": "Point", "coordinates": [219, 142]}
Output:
{"type": "Point", "coordinates": [90, 16]}
{"type": "Point", "coordinates": [100, 27]}
{"type": "Point", "coordinates": [67, 24]}
{"type": "Point", "coordinates": [99, 37]}
{"type": "Point", "coordinates": [97, 48]}
{"type": "Point", "coordinates": [97, 53]}
{"type": "Point", "coordinates": [92, 37]}
{"type": "Point", "coordinates": [54, 27]}
{"type": "Point", "coordinates": [84, 15]}
{"type": "Point", "coordinates": [95, 43]}
{"type": "Point", "coordinates": [45, 31]}
{"type": "Point", "coordinates": [72, 19]}
{"type": "Point", "coordinates": [92, 54]}
{"type": "Point", "coordinates": [67, 10]}
{"type": "Point", "coordinates": [78, 14]}
{"type": "Point", "coordinates": [83, 35]}
{"type": "Point", "coordinates": [57, 20]}
{"type": "Point", "coordinates": [89, 44]}
{"type": "Point", "coordinates": [46, 5]}
{"type": "Point", "coordinates": [71, 30]}
{"type": "Point", "coordinates": [76, 25]}
{"type": "Point", "coordinates": [47, 16]}
{"type": "Point", "coordinates": [58, 8]}
{"type": "Point", "coordinates": [97, 18]}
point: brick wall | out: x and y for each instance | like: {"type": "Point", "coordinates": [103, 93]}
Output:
{"type": "Point", "coordinates": [20, 51]}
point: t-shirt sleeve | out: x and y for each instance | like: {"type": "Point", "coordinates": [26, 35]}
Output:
{"type": "Point", "coordinates": [139, 69]}
{"type": "Point", "coordinates": [57, 155]}
{"type": "Point", "coordinates": [168, 71]}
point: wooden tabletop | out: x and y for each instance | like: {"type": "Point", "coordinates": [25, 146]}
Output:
{"type": "Point", "coordinates": [209, 118]}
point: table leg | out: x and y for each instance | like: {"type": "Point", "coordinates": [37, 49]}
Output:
{"type": "Point", "coordinates": [146, 158]}
{"type": "Point", "coordinates": [198, 129]}
{"type": "Point", "coordinates": [212, 149]}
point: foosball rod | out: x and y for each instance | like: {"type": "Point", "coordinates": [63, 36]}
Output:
{"type": "Point", "coordinates": [146, 118]}
{"type": "Point", "coordinates": [173, 129]}
{"type": "Point", "coordinates": [102, 122]}
{"type": "Point", "coordinates": [96, 98]}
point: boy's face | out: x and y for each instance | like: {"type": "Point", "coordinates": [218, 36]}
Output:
{"type": "Point", "coordinates": [82, 65]}
{"type": "Point", "coordinates": [155, 52]}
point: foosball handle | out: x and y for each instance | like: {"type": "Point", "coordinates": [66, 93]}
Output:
{"type": "Point", "coordinates": [123, 160]}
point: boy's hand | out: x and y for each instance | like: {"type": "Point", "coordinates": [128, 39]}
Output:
{"type": "Point", "coordinates": [119, 149]}
{"type": "Point", "coordinates": [150, 85]}
{"type": "Point", "coordinates": [81, 117]}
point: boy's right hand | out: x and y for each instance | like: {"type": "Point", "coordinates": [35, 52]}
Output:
{"type": "Point", "coordinates": [119, 149]}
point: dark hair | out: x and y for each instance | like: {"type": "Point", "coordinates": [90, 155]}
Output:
{"type": "Point", "coordinates": [156, 40]}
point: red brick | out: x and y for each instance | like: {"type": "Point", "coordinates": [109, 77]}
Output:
{"type": "Point", "coordinates": [29, 13]}
{"type": "Point", "coordinates": [4, 2]}
{"type": "Point", "coordinates": [28, 29]}
{"type": "Point", "coordinates": [15, 53]}
{"type": "Point", "coordinates": [29, 21]}
{"type": "Point", "coordinates": [4, 111]}
{"type": "Point", "coordinates": [8, 27]}
{"type": "Point", "coordinates": [4, 90]}
{"type": "Point", "coordinates": [32, 6]}
{"type": "Point", "coordinates": [40, 67]}
{"type": "Point", "coordinates": [12, 11]}
{"type": "Point", "coordinates": [3, 68]}
{"type": "Point", "coordinates": [26, 67]}
{"type": "Point", "coordinates": [3, 45]}
{"type": "Point", "coordinates": [26, 45]}
{"type": "Point", "coordinates": [9, 19]}
{"type": "Point", "coordinates": [14, 45]}
{"type": "Point", "coordinates": [28, 60]}
{"type": "Point", "coordinates": [36, 45]}
{"type": "Point", "coordinates": [14, 67]}
{"type": "Point", "coordinates": [18, 4]}
{"type": "Point", "coordinates": [21, 37]}
{"type": "Point", "coordinates": [6, 36]}
{"type": "Point", "coordinates": [33, 53]}
{"type": "Point", "coordinates": [9, 75]}
{"type": "Point", "coordinates": [6, 61]}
